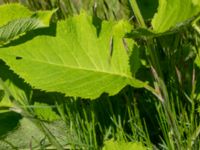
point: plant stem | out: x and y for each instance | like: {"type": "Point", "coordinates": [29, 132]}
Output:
{"type": "Point", "coordinates": [157, 73]}
{"type": "Point", "coordinates": [49, 135]}
{"type": "Point", "coordinates": [137, 13]}
{"type": "Point", "coordinates": [195, 135]}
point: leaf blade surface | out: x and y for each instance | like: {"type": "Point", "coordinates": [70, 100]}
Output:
{"type": "Point", "coordinates": [15, 20]}
{"type": "Point", "coordinates": [76, 61]}
{"type": "Point", "coordinates": [172, 12]}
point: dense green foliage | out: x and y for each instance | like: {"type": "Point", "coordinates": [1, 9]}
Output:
{"type": "Point", "coordinates": [100, 75]}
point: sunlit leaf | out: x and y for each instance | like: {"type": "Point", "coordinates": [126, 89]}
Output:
{"type": "Point", "coordinates": [45, 112]}
{"type": "Point", "coordinates": [76, 61]}
{"type": "Point", "coordinates": [120, 145]}
{"type": "Point", "coordinates": [16, 19]}
{"type": "Point", "coordinates": [172, 12]}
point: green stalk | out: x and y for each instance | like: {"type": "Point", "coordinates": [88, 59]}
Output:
{"type": "Point", "coordinates": [157, 73]}
{"type": "Point", "coordinates": [195, 136]}
{"type": "Point", "coordinates": [49, 135]}
{"type": "Point", "coordinates": [137, 13]}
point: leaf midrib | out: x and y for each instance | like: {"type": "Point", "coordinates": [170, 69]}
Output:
{"type": "Point", "coordinates": [78, 68]}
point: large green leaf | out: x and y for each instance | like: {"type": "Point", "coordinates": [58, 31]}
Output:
{"type": "Point", "coordinates": [16, 19]}
{"type": "Point", "coordinates": [172, 12]}
{"type": "Point", "coordinates": [76, 61]}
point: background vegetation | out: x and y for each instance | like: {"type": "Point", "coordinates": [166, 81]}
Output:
{"type": "Point", "coordinates": [46, 120]}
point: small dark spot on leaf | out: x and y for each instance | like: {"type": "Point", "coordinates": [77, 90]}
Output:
{"type": "Point", "coordinates": [18, 57]}
{"type": "Point", "coordinates": [11, 98]}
